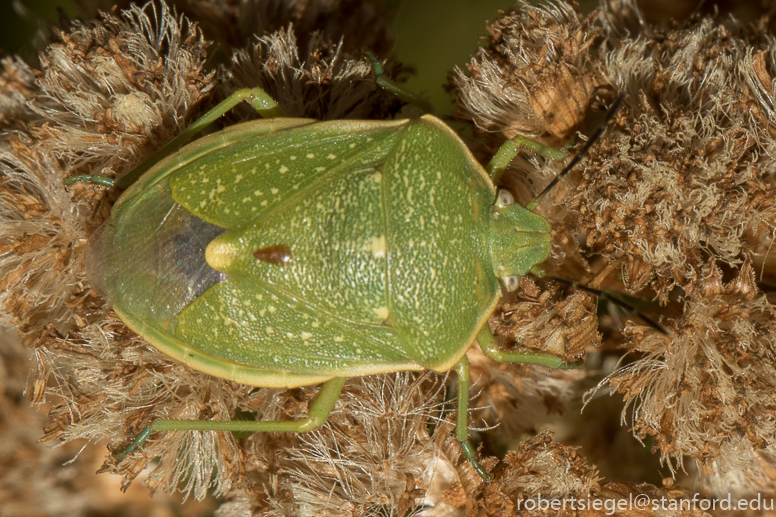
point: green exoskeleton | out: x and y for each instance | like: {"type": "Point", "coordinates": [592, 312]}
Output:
{"type": "Point", "coordinates": [287, 252]}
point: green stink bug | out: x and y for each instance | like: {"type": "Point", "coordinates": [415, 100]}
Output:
{"type": "Point", "coordinates": [289, 252]}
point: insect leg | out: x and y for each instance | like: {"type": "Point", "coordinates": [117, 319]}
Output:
{"type": "Point", "coordinates": [319, 411]}
{"type": "Point", "coordinates": [581, 154]}
{"type": "Point", "coordinates": [613, 297]}
{"type": "Point", "coordinates": [490, 348]}
{"type": "Point", "coordinates": [258, 98]}
{"type": "Point", "coordinates": [462, 433]}
{"type": "Point", "coordinates": [388, 85]}
{"type": "Point", "coordinates": [509, 149]}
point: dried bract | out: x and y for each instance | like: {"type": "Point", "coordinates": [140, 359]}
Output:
{"type": "Point", "coordinates": [544, 321]}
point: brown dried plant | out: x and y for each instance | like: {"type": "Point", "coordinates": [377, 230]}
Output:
{"type": "Point", "coordinates": [675, 204]}
{"type": "Point", "coordinates": [676, 192]}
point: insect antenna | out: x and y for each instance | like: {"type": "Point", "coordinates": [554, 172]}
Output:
{"type": "Point", "coordinates": [609, 295]}
{"type": "Point", "coordinates": [581, 154]}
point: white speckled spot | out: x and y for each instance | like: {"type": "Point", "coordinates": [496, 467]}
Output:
{"type": "Point", "coordinates": [306, 335]}
{"type": "Point", "coordinates": [382, 313]}
{"type": "Point", "coordinates": [283, 169]}
{"type": "Point", "coordinates": [377, 246]}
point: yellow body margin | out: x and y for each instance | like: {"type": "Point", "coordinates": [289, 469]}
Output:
{"type": "Point", "coordinates": [245, 374]}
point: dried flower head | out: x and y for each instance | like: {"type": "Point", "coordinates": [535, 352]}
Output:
{"type": "Point", "coordinates": [676, 195]}
{"type": "Point", "coordinates": [684, 180]}
{"type": "Point", "coordinates": [106, 92]}
{"type": "Point", "coordinates": [137, 79]}
{"type": "Point", "coordinates": [325, 83]}
{"type": "Point", "coordinates": [544, 321]}
{"type": "Point", "coordinates": [541, 466]}
{"type": "Point", "coordinates": [16, 87]}
{"type": "Point", "coordinates": [355, 24]}
{"type": "Point", "coordinates": [740, 470]}
{"type": "Point", "coordinates": [536, 78]}
{"type": "Point", "coordinates": [376, 455]}
{"type": "Point", "coordinates": [708, 386]}
{"type": "Point", "coordinates": [678, 186]}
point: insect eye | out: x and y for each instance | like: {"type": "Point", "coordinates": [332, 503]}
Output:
{"type": "Point", "coordinates": [511, 283]}
{"type": "Point", "coordinates": [504, 198]}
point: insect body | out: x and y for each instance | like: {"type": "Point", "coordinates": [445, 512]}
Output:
{"type": "Point", "coordinates": [395, 252]}
{"type": "Point", "coordinates": [289, 252]}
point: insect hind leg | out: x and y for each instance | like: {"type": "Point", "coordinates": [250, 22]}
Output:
{"type": "Point", "coordinates": [317, 415]}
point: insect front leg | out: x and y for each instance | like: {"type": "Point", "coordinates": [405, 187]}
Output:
{"type": "Point", "coordinates": [488, 344]}
{"type": "Point", "coordinates": [317, 415]}
{"type": "Point", "coordinates": [509, 149]}
{"type": "Point", "coordinates": [489, 347]}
